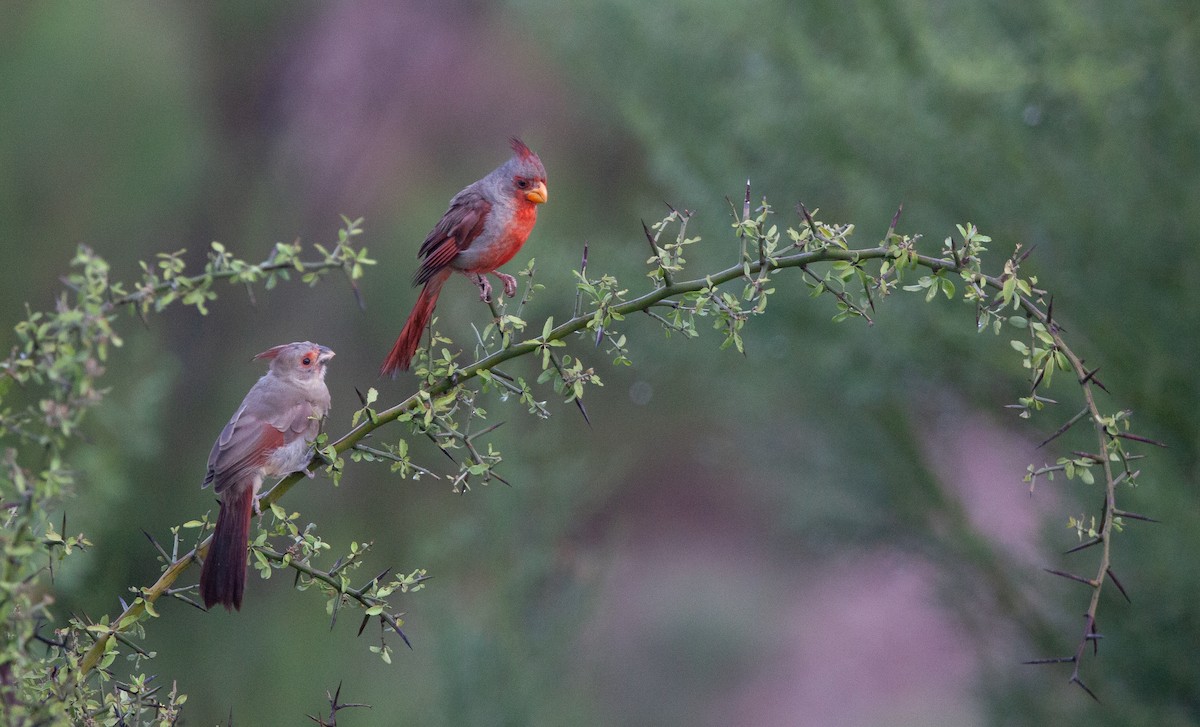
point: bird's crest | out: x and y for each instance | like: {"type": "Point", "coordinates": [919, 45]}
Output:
{"type": "Point", "coordinates": [520, 149]}
{"type": "Point", "coordinates": [272, 352]}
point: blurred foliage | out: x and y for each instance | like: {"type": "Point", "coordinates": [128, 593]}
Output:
{"type": "Point", "coordinates": [1068, 126]}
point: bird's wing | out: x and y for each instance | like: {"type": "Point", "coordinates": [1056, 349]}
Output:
{"type": "Point", "coordinates": [454, 233]}
{"type": "Point", "coordinates": [244, 445]}
{"type": "Point", "coordinates": [252, 435]}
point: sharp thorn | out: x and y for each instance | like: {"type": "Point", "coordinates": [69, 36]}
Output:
{"type": "Point", "coordinates": [1144, 440]}
{"type": "Point", "coordinates": [1076, 680]}
{"type": "Point", "coordinates": [1051, 660]}
{"type": "Point", "coordinates": [185, 599]}
{"type": "Point", "coordinates": [1063, 429]}
{"type": "Point", "coordinates": [1083, 546]}
{"type": "Point", "coordinates": [1117, 583]}
{"type": "Point", "coordinates": [1135, 516]}
{"type": "Point", "coordinates": [1027, 253]}
{"type": "Point", "coordinates": [486, 430]}
{"type": "Point", "coordinates": [1037, 380]}
{"type": "Point", "coordinates": [1070, 576]}
{"type": "Point", "coordinates": [149, 537]}
{"type": "Point", "coordinates": [583, 411]}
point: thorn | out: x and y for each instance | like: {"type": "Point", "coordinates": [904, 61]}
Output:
{"type": "Point", "coordinates": [358, 296]}
{"type": "Point", "coordinates": [1082, 546]}
{"type": "Point", "coordinates": [583, 274]}
{"type": "Point", "coordinates": [649, 237]}
{"type": "Point", "coordinates": [1071, 576]}
{"type": "Point", "coordinates": [387, 618]}
{"type": "Point", "coordinates": [746, 204]}
{"type": "Point", "coordinates": [1076, 680]}
{"type": "Point", "coordinates": [1051, 660]}
{"type": "Point", "coordinates": [1136, 438]}
{"type": "Point", "coordinates": [153, 542]}
{"type": "Point", "coordinates": [363, 625]}
{"type": "Point", "coordinates": [337, 606]}
{"type": "Point", "coordinates": [1050, 313]}
{"type": "Point", "coordinates": [1117, 583]}
{"type": "Point", "coordinates": [656, 253]}
{"type": "Point", "coordinates": [1063, 429]}
{"type": "Point", "coordinates": [1088, 455]}
{"type": "Point", "coordinates": [1026, 254]}
{"type": "Point", "coordinates": [1038, 379]}
{"type": "Point", "coordinates": [583, 411]}
{"type": "Point", "coordinates": [896, 218]}
{"type": "Point", "coordinates": [361, 398]}
{"type": "Point", "coordinates": [177, 593]}
{"type": "Point", "coordinates": [1135, 516]}
{"type": "Point", "coordinates": [487, 430]}
{"type": "Point", "coordinates": [377, 578]}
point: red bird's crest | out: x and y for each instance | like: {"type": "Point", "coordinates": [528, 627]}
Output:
{"type": "Point", "coordinates": [520, 149]}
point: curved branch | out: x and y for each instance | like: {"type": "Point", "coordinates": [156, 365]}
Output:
{"type": "Point", "coordinates": [347, 441]}
{"type": "Point", "coordinates": [643, 303]}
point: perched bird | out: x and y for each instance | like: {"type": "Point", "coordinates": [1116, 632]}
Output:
{"type": "Point", "coordinates": [270, 435]}
{"type": "Point", "coordinates": [486, 225]}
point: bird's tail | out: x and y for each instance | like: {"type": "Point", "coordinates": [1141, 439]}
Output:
{"type": "Point", "coordinates": [406, 345]}
{"type": "Point", "coordinates": [223, 577]}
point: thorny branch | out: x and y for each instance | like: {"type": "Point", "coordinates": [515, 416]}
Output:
{"type": "Point", "coordinates": [816, 247]}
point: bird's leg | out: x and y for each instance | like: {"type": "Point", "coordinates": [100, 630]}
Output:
{"type": "Point", "coordinates": [510, 283]}
{"type": "Point", "coordinates": [485, 288]}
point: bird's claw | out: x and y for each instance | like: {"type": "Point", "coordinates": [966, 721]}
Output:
{"type": "Point", "coordinates": [485, 288]}
{"type": "Point", "coordinates": [510, 284]}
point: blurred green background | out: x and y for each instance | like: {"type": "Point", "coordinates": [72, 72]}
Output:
{"type": "Point", "coordinates": [830, 530]}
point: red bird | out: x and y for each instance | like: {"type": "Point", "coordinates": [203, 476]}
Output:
{"type": "Point", "coordinates": [486, 225]}
{"type": "Point", "coordinates": [270, 435]}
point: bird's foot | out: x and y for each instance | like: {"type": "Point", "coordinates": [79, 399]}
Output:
{"type": "Point", "coordinates": [485, 288]}
{"type": "Point", "coordinates": [510, 284]}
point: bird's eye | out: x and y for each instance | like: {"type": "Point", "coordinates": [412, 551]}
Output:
{"type": "Point", "coordinates": [307, 360]}
{"type": "Point", "coordinates": [522, 183]}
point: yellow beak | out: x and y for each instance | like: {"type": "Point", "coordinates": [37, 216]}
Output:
{"type": "Point", "coordinates": [538, 195]}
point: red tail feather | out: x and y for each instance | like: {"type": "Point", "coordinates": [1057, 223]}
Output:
{"type": "Point", "coordinates": [406, 345]}
{"type": "Point", "coordinates": [223, 577]}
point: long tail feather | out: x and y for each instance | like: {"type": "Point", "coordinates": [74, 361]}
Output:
{"type": "Point", "coordinates": [410, 337]}
{"type": "Point", "coordinates": [223, 577]}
